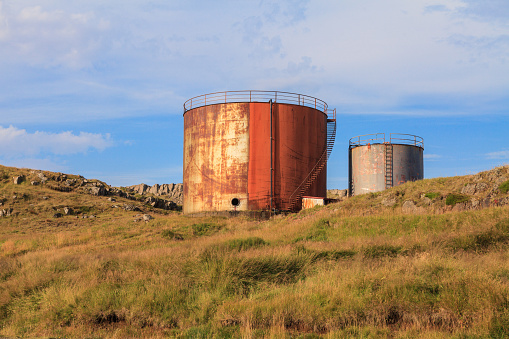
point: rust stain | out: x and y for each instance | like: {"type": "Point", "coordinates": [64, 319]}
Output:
{"type": "Point", "coordinates": [310, 202]}
{"type": "Point", "coordinates": [216, 158]}
{"type": "Point", "coordinates": [227, 155]}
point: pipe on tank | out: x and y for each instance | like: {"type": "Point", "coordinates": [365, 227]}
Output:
{"type": "Point", "coordinates": [271, 160]}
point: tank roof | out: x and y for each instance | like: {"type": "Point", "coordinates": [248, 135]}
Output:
{"type": "Point", "coordinates": [394, 138]}
{"type": "Point", "coordinates": [255, 96]}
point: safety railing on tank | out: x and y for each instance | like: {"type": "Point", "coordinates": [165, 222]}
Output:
{"type": "Point", "coordinates": [255, 96]}
{"type": "Point", "coordinates": [394, 138]}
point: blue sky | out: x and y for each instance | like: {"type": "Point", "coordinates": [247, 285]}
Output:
{"type": "Point", "coordinates": [96, 88]}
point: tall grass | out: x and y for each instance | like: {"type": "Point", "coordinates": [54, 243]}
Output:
{"type": "Point", "coordinates": [353, 269]}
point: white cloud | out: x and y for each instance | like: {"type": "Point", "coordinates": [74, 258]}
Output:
{"type": "Point", "coordinates": [432, 157]}
{"type": "Point", "coordinates": [51, 38]}
{"type": "Point", "coordinates": [498, 155]}
{"type": "Point", "coordinates": [18, 142]}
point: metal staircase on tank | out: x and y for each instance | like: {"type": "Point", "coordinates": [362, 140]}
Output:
{"type": "Point", "coordinates": [389, 160]}
{"type": "Point", "coordinates": [320, 164]}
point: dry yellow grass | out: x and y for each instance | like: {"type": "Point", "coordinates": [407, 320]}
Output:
{"type": "Point", "coordinates": [353, 269]}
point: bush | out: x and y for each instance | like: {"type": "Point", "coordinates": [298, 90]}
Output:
{"type": "Point", "coordinates": [172, 235]}
{"type": "Point", "coordinates": [504, 187]}
{"type": "Point", "coordinates": [453, 199]}
{"type": "Point", "coordinates": [432, 195]}
{"type": "Point", "coordinates": [205, 228]}
{"type": "Point", "coordinates": [245, 244]}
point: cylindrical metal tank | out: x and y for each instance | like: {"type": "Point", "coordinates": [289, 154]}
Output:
{"type": "Point", "coordinates": [377, 163]}
{"type": "Point", "coordinates": [252, 150]}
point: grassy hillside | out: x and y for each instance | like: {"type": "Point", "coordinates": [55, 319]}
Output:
{"type": "Point", "coordinates": [426, 259]}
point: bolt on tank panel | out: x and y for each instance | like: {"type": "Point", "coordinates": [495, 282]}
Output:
{"type": "Point", "coordinates": [216, 155]}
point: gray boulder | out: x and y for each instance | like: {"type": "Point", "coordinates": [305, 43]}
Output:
{"type": "Point", "coordinates": [19, 179]}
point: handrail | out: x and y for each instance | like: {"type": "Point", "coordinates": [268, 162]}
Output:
{"type": "Point", "coordinates": [255, 96]}
{"type": "Point", "coordinates": [394, 138]}
{"type": "Point", "coordinates": [375, 138]}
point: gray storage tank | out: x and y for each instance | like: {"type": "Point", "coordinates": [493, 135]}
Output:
{"type": "Point", "coordinates": [377, 162]}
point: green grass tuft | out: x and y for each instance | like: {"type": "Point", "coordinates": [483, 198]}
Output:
{"type": "Point", "coordinates": [245, 244]}
{"type": "Point", "coordinates": [453, 199]}
{"type": "Point", "coordinates": [504, 187]}
{"type": "Point", "coordinates": [432, 195]}
{"type": "Point", "coordinates": [205, 228]}
{"type": "Point", "coordinates": [379, 251]}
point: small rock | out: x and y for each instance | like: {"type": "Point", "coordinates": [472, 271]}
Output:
{"type": "Point", "coordinates": [112, 199]}
{"type": "Point", "coordinates": [19, 179]}
{"type": "Point", "coordinates": [389, 201]}
{"type": "Point", "coordinates": [57, 215]}
{"type": "Point", "coordinates": [409, 206]}
{"type": "Point", "coordinates": [481, 187]}
{"type": "Point", "coordinates": [68, 211]}
{"type": "Point", "coordinates": [147, 217]}
{"type": "Point", "coordinates": [45, 198]}
{"type": "Point", "coordinates": [468, 189]}
{"type": "Point", "coordinates": [463, 206]}
{"type": "Point", "coordinates": [98, 191]}
{"type": "Point", "coordinates": [42, 177]}
{"type": "Point", "coordinates": [128, 207]}
{"type": "Point", "coordinates": [426, 200]}
{"type": "Point", "coordinates": [34, 183]}
{"type": "Point", "coordinates": [475, 203]}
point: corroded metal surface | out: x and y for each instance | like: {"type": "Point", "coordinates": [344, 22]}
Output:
{"type": "Point", "coordinates": [368, 166]}
{"type": "Point", "coordinates": [216, 155]}
{"type": "Point", "coordinates": [310, 202]}
{"type": "Point", "coordinates": [227, 155]}
{"type": "Point", "coordinates": [300, 137]}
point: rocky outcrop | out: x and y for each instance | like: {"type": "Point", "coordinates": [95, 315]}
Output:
{"type": "Point", "coordinates": [19, 179]}
{"type": "Point", "coordinates": [6, 212]}
{"type": "Point", "coordinates": [171, 192]}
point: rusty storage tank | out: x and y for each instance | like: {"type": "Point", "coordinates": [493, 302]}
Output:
{"type": "Point", "coordinates": [255, 150]}
{"type": "Point", "coordinates": [377, 163]}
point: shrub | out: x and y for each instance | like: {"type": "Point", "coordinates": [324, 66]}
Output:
{"type": "Point", "coordinates": [432, 195]}
{"type": "Point", "coordinates": [245, 244]}
{"type": "Point", "coordinates": [205, 228]}
{"type": "Point", "coordinates": [85, 209]}
{"type": "Point", "coordinates": [504, 187]}
{"type": "Point", "coordinates": [453, 199]}
{"type": "Point", "coordinates": [171, 235]}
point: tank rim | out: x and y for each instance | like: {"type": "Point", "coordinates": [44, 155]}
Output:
{"type": "Point", "coordinates": [393, 139]}
{"type": "Point", "coordinates": [244, 96]}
